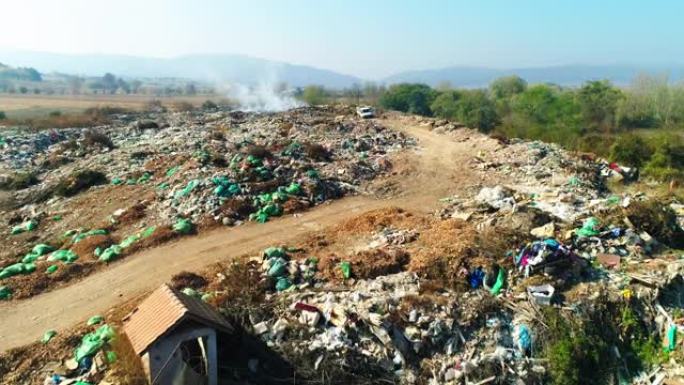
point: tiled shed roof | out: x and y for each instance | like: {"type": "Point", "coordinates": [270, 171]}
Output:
{"type": "Point", "coordinates": [164, 310]}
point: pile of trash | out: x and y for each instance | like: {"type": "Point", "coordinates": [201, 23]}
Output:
{"type": "Point", "coordinates": [150, 175]}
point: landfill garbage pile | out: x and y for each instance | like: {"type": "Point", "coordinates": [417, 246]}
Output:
{"type": "Point", "coordinates": [83, 358]}
{"type": "Point", "coordinates": [103, 193]}
{"type": "Point", "coordinates": [508, 319]}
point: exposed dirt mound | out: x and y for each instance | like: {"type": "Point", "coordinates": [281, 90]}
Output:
{"type": "Point", "coordinates": [443, 251]}
{"type": "Point", "coordinates": [186, 279]}
{"type": "Point", "coordinates": [379, 219]}
{"type": "Point", "coordinates": [365, 264]}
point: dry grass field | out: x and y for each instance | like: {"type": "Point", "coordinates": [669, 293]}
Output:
{"type": "Point", "coordinates": [37, 106]}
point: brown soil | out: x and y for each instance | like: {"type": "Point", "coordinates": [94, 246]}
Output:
{"type": "Point", "coordinates": [187, 279]}
{"type": "Point", "coordinates": [364, 264]}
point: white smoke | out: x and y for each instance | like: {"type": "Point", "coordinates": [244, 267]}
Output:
{"type": "Point", "coordinates": [265, 97]}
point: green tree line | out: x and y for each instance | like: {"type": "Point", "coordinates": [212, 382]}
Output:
{"type": "Point", "coordinates": [640, 125]}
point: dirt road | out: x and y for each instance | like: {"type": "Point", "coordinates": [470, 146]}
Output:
{"type": "Point", "coordinates": [437, 169]}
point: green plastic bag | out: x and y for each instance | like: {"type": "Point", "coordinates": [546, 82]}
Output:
{"type": "Point", "coordinates": [91, 343]}
{"type": "Point", "coordinates": [66, 256]}
{"type": "Point", "coordinates": [5, 292]}
{"type": "Point", "coordinates": [191, 292]}
{"type": "Point", "coordinates": [188, 189]}
{"type": "Point", "coordinates": [110, 253]}
{"type": "Point", "coordinates": [172, 170]}
{"type": "Point", "coordinates": [131, 239]}
{"type": "Point", "coordinates": [500, 280]}
{"type": "Point", "coordinates": [144, 178]}
{"type": "Point", "coordinates": [278, 267]}
{"type": "Point", "coordinates": [346, 269]}
{"type": "Point", "coordinates": [275, 252]}
{"type": "Point", "coordinates": [51, 269]}
{"type": "Point", "coordinates": [117, 181]}
{"type": "Point", "coordinates": [24, 227]}
{"type": "Point", "coordinates": [47, 336]}
{"type": "Point", "coordinates": [81, 236]}
{"type": "Point", "coordinates": [590, 228]}
{"type": "Point", "coordinates": [105, 332]}
{"type": "Point", "coordinates": [17, 268]}
{"type": "Point", "coordinates": [111, 357]}
{"type": "Point", "coordinates": [42, 249]}
{"type": "Point", "coordinates": [183, 226]}
{"type": "Point", "coordinates": [283, 283]}
{"type": "Point", "coordinates": [30, 257]}
{"type": "Point", "coordinates": [671, 338]}
{"type": "Point", "coordinates": [254, 161]}
{"type": "Point", "coordinates": [148, 232]}
{"type": "Point", "coordinates": [293, 189]}
{"type": "Point", "coordinates": [94, 320]}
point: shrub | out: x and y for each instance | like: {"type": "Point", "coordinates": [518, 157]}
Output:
{"type": "Point", "coordinates": [209, 105]}
{"type": "Point", "coordinates": [3, 116]}
{"type": "Point", "coordinates": [667, 161]}
{"type": "Point", "coordinates": [507, 86]}
{"type": "Point", "coordinates": [93, 138]}
{"type": "Point", "coordinates": [411, 98]}
{"type": "Point", "coordinates": [630, 150]}
{"type": "Point", "coordinates": [314, 95]}
{"type": "Point", "coordinates": [55, 113]}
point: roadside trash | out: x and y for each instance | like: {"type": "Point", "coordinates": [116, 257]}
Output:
{"type": "Point", "coordinates": [671, 338]}
{"type": "Point", "coordinates": [66, 256]}
{"type": "Point", "coordinates": [17, 268]}
{"type": "Point", "coordinates": [191, 292]}
{"type": "Point", "coordinates": [94, 320]}
{"type": "Point", "coordinates": [476, 277]}
{"type": "Point", "coordinates": [5, 292]}
{"type": "Point", "coordinates": [545, 231]}
{"type": "Point", "coordinates": [24, 227]}
{"type": "Point", "coordinates": [500, 280]}
{"type": "Point", "coordinates": [275, 252]}
{"type": "Point", "coordinates": [278, 267]}
{"type": "Point", "coordinates": [91, 343]}
{"type": "Point", "coordinates": [590, 228]}
{"type": "Point", "coordinates": [283, 283]}
{"type": "Point", "coordinates": [110, 253]}
{"type": "Point", "coordinates": [496, 197]}
{"type": "Point", "coordinates": [51, 269]}
{"type": "Point", "coordinates": [345, 267]}
{"type": "Point", "coordinates": [187, 189]}
{"type": "Point", "coordinates": [183, 226]}
{"type": "Point", "coordinates": [539, 255]}
{"type": "Point", "coordinates": [83, 235]}
{"type": "Point", "coordinates": [609, 261]}
{"type": "Point", "coordinates": [541, 295]}
{"type": "Point", "coordinates": [224, 187]}
{"type": "Point", "coordinates": [48, 336]}
{"type": "Point", "coordinates": [523, 339]}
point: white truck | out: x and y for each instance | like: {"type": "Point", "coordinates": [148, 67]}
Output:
{"type": "Point", "coordinates": [365, 112]}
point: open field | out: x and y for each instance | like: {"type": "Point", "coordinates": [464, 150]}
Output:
{"type": "Point", "coordinates": [35, 106]}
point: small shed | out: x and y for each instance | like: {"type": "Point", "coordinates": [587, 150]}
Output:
{"type": "Point", "coordinates": [175, 336]}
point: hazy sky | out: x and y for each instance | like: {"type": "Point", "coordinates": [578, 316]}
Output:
{"type": "Point", "coordinates": [369, 38]}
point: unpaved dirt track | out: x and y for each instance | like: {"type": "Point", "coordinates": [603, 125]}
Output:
{"type": "Point", "coordinates": [438, 170]}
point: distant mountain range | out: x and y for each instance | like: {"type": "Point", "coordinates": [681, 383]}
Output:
{"type": "Point", "coordinates": [225, 68]}
{"type": "Point", "coordinates": [209, 68]}
{"type": "Point", "coordinates": [568, 75]}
